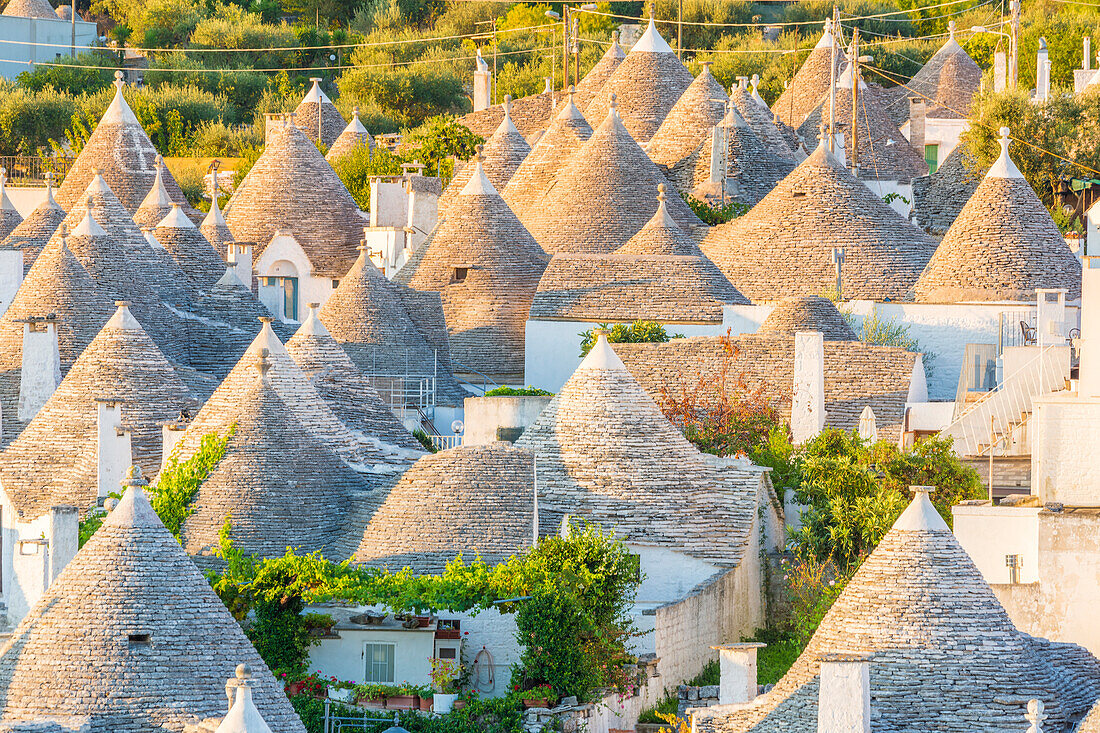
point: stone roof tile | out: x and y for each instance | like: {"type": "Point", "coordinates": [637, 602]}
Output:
{"type": "Point", "coordinates": [32, 233]}
{"type": "Point", "coordinates": [938, 198]}
{"type": "Point", "coordinates": [597, 76]}
{"type": "Point", "coordinates": [807, 313]}
{"type": "Point", "coordinates": [810, 82]}
{"type": "Point", "coordinates": [315, 103]}
{"type": "Point", "coordinates": [352, 137]}
{"type": "Point", "coordinates": [689, 122]}
{"type": "Point", "coordinates": [951, 78]}
{"type": "Point", "coordinates": [30, 9]}
{"type": "Point", "coordinates": [502, 155]}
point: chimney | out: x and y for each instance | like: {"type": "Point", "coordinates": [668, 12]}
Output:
{"type": "Point", "coordinates": [41, 371]}
{"type": "Point", "coordinates": [483, 84]}
{"type": "Point", "coordinates": [808, 404]}
{"type": "Point", "coordinates": [239, 257]}
{"type": "Point", "coordinates": [1089, 371]}
{"type": "Point", "coordinates": [737, 664]}
{"type": "Point", "coordinates": [114, 454]}
{"type": "Point", "coordinates": [918, 109]}
{"type": "Point", "coordinates": [844, 694]}
{"type": "Point", "coordinates": [1042, 72]}
{"type": "Point", "coordinates": [170, 434]}
{"type": "Point", "coordinates": [11, 276]}
{"type": "Point", "coordinates": [1086, 59]}
{"type": "Point", "coordinates": [64, 537]}
{"type": "Point", "coordinates": [1000, 70]}
{"type": "Point", "coordinates": [717, 139]}
{"type": "Point", "coordinates": [243, 717]}
{"type": "Point", "coordinates": [272, 121]}
{"type": "Point", "coordinates": [151, 238]}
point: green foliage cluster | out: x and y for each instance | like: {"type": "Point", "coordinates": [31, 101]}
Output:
{"type": "Point", "coordinates": [669, 704]}
{"type": "Point", "coordinates": [179, 481]}
{"type": "Point", "coordinates": [360, 165]}
{"type": "Point", "coordinates": [518, 392]}
{"type": "Point", "coordinates": [713, 215]}
{"type": "Point", "coordinates": [570, 596]}
{"type": "Point", "coordinates": [425, 440]}
{"type": "Point", "coordinates": [68, 77]}
{"type": "Point", "coordinates": [638, 332]}
{"type": "Point", "coordinates": [31, 120]}
{"type": "Point", "coordinates": [479, 715]}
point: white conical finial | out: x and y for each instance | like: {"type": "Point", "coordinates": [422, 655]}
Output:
{"type": "Point", "coordinates": [355, 113]}
{"type": "Point", "coordinates": [508, 106]}
{"type": "Point", "coordinates": [479, 183]}
{"type": "Point", "coordinates": [614, 106]}
{"type": "Point", "coordinates": [920, 515]}
{"type": "Point", "coordinates": [951, 29]}
{"type": "Point", "coordinates": [49, 188]}
{"type": "Point", "coordinates": [1035, 715]}
{"type": "Point", "coordinates": [1003, 167]}
{"type": "Point", "coordinates": [243, 717]}
{"type": "Point", "coordinates": [119, 80]}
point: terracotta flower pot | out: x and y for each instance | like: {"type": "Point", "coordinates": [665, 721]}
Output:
{"type": "Point", "coordinates": [536, 703]}
{"type": "Point", "coordinates": [295, 688]}
{"type": "Point", "coordinates": [425, 704]}
{"type": "Point", "coordinates": [402, 702]}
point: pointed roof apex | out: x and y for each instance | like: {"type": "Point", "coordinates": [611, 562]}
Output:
{"type": "Point", "coordinates": [88, 226]}
{"type": "Point", "coordinates": [158, 195]}
{"type": "Point", "coordinates": [602, 356]}
{"type": "Point", "coordinates": [662, 216]}
{"type": "Point", "coordinates": [355, 125]}
{"type": "Point", "coordinates": [506, 125]}
{"type": "Point", "coordinates": [1003, 167]}
{"type": "Point", "coordinates": [479, 184]}
{"type": "Point", "coordinates": [176, 219]}
{"type": "Point", "coordinates": [99, 183]}
{"type": "Point", "coordinates": [214, 216]}
{"type": "Point", "coordinates": [50, 175]}
{"type": "Point", "coordinates": [315, 95]}
{"type": "Point", "coordinates": [616, 48]}
{"type": "Point", "coordinates": [263, 363]}
{"type": "Point", "coordinates": [133, 510]}
{"type": "Point", "coordinates": [312, 325]}
{"type": "Point", "coordinates": [151, 238]}
{"type": "Point", "coordinates": [651, 41]}
{"type": "Point", "coordinates": [123, 319]}
{"type": "Point", "coordinates": [230, 277]}
{"type": "Point", "coordinates": [119, 113]}
{"type": "Point", "coordinates": [920, 515]}
{"type": "Point", "coordinates": [844, 81]}
{"type": "Point", "coordinates": [243, 717]}
{"type": "Point", "coordinates": [5, 202]}
{"type": "Point", "coordinates": [569, 110]}
{"type": "Point", "coordinates": [826, 37]}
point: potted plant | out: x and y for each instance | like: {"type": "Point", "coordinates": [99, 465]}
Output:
{"type": "Point", "coordinates": [405, 697]}
{"type": "Point", "coordinates": [427, 695]}
{"type": "Point", "coordinates": [315, 685]}
{"type": "Point", "coordinates": [293, 681]}
{"type": "Point", "coordinates": [445, 681]}
{"type": "Point", "coordinates": [318, 624]}
{"type": "Point", "coordinates": [340, 690]}
{"type": "Point", "coordinates": [370, 695]}
{"type": "Point", "coordinates": [537, 697]}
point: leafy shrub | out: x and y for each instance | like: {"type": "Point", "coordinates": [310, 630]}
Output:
{"type": "Point", "coordinates": [408, 94]}
{"type": "Point", "coordinates": [518, 392]}
{"type": "Point", "coordinates": [179, 481]}
{"type": "Point", "coordinates": [357, 167]}
{"type": "Point", "coordinates": [425, 440]}
{"type": "Point", "coordinates": [714, 215]}
{"type": "Point", "coordinates": [30, 120]}
{"type": "Point", "coordinates": [639, 332]}
{"type": "Point", "coordinates": [68, 77]}
{"type": "Point", "coordinates": [218, 140]}
{"type": "Point", "coordinates": [231, 26]}
{"type": "Point", "coordinates": [436, 141]}
{"type": "Point", "coordinates": [190, 175]}
{"type": "Point", "coordinates": [166, 23]}
{"type": "Point", "coordinates": [242, 89]}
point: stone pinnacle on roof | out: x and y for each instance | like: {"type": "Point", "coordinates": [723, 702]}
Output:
{"type": "Point", "coordinates": [243, 717]}
{"type": "Point", "coordinates": [752, 170]}
{"type": "Point", "coordinates": [201, 264]}
{"type": "Point", "coordinates": [131, 637]}
{"type": "Point", "coordinates": [604, 194]}
{"type": "Point", "coordinates": [31, 234]}
{"type": "Point", "coordinates": [761, 120]}
{"type": "Point", "coordinates": [810, 82]}
{"type": "Point", "coordinates": [486, 266]}
{"type": "Point", "coordinates": [317, 116]}
{"type": "Point", "coordinates": [598, 75]}
{"type": "Point", "coordinates": [352, 137]}
{"type": "Point", "coordinates": [649, 497]}
{"type": "Point", "coordinates": [648, 82]}
{"type": "Point", "coordinates": [565, 135]}
{"type": "Point", "coordinates": [1002, 246]}
{"type": "Point", "coordinates": [503, 154]}
{"type": "Point", "coordinates": [946, 655]}
{"type": "Point", "coordinates": [213, 226]}
{"type": "Point", "coordinates": [157, 203]}
{"type": "Point", "coordinates": [661, 235]}
{"type": "Point", "coordinates": [121, 148]}
{"type": "Point", "coordinates": [783, 245]}
{"type": "Point", "coordinates": [949, 80]}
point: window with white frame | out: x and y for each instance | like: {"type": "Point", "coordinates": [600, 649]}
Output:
{"type": "Point", "coordinates": [379, 662]}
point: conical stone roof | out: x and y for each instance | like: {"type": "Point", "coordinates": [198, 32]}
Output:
{"type": "Point", "coordinates": [292, 188]}
{"type": "Point", "coordinates": [278, 483]}
{"type": "Point", "coordinates": [389, 330]}
{"type": "Point", "coordinates": [32, 233]}
{"type": "Point", "coordinates": [10, 218]}
{"type": "Point", "coordinates": [486, 493]}
{"type": "Point", "coordinates": [807, 313]}
{"type": "Point", "coordinates": [341, 384]}
{"type": "Point", "coordinates": [944, 654]}
{"type": "Point", "coordinates": [607, 454]}
{"type": "Point", "coordinates": [317, 117]}
{"type": "Point", "coordinates": [602, 196]}
{"type": "Point", "coordinates": [938, 198]}
{"type": "Point", "coordinates": [783, 246]}
{"type": "Point", "coordinates": [194, 253]}
{"type": "Point", "coordinates": [1002, 246]}
{"type": "Point", "coordinates": [804, 92]}
{"type": "Point", "coordinates": [761, 120]}
{"type": "Point", "coordinates": [951, 78]}
{"type": "Point", "coordinates": [131, 635]}
{"type": "Point", "coordinates": [487, 307]}
{"type": "Point", "coordinates": [689, 122]}
{"type": "Point", "coordinates": [30, 9]}
{"type": "Point", "coordinates": [564, 137]}
{"type": "Point", "coordinates": [753, 169]}
{"type": "Point", "coordinates": [647, 82]}
{"type": "Point", "coordinates": [215, 229]}
{"type": "Point", "coordinates": [120, 150]}
{"type": "Point", "coordinates": [157, 204]}
{"type": "Point", "coordinates": [502, 155]}
{"type": "Point", "coordinates": [659, 274]}
{"type": "Point", "coordinates": [53, 461]}
{"type": "Point", "coordinates": [884, 152]}
{"type": "Point", "coordinates": [598, 75]}
{"type": "Point", "coordinates": [353, 136]}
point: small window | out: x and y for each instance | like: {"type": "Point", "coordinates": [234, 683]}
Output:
{"type": "Point", "coordinates": [379, 662]}
{"type": "Point", "coordinates": [450, 624]}
{"type": "Point", "coordinates": [335, 284]}
{"type": "Point", "coordinates": [932, 157]}
{"type": "Point", "coordinates": [460, 274]}
{"type": "Point", "coordinates": [140, 640]}
{"type": "Point", "coordinates": [798, 193]}
{"type": "Point", "coordinates": [448, 652]}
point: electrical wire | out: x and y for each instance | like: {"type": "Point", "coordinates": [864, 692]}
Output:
{"type": "Point", "coordinates": [1078, 2]}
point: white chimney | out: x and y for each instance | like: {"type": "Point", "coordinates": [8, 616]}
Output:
{"type": "Point", "coordinates": [114, 455]}
{"type": "Point", "coordinates": [483, 84]}
{"type": "Point", "coordinates": [41, 371]}
{"type": "Point", "coordinates": [844, 694]}
{"type": "Point", "coordinates": [243, 717]}
{"type": "Point", "coordinates": [737, 665]}
{"type": "Point", "coordinates": [1000, 71]}
{"type": "Point", "coordinates": [170, 434]}
{"type": "Point", "coordinates": [239, 256]}
{"type": "Point", "coordinates": [808, 403]}
{"type": "Point", "coordinates": [1042, 72]}
{"type": "Point", "coordinates": [11, 276]}
{"type": "Point", "coordinates": [1086, 59]}
{"type": "Point", "coordinates": [1089, 371]}
{"type": "Point", "coordinates": [717, 139]}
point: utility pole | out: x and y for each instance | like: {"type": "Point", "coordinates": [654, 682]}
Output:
{"type": "Point", "coordinates": [832, 80]}
{"type": "Point", "coordinates": [1014, 45]}
{"type": "Point", "coordinates": [565, 46]}
{"type": "Point", "coordinates": [576, 52]}
{"type": "Point", "coordinates": [853, 146]}
{"type": "Point", "coordinates": [494, 60]}
{"type": "Point", "coordinates": [680, 30]}
{"type": "Point", "coordinates": [73, 49]}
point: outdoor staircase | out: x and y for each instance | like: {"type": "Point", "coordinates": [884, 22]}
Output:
{"type": "Point", "coordinates": [996, 424]}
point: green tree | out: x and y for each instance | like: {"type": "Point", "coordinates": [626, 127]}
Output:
{"type": "Point", "coordinates": [357, 168]}
{"type": "Point", "coordinates": [437, 140]}
{"type": "Point", "coordinates": [638, 332]}
{"type": "Point", "coordinates": [67, 77]}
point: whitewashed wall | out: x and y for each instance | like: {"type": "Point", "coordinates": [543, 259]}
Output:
{"type": "Point", "coordinates": [1063, 468]}
{"type": "Point", "coordinates": [27, 573]}
{"type": "Point", "coordinates": [988, 533]}
{"type": "Point", "coordinates": [27, 40]}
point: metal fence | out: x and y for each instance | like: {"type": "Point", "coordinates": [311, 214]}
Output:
{"type": "Point", "coordinates": [406, 392]}
{"type": "Point", "coordinates": [355, 723]}
{"type": "Point", "coordinates": [31, 170]}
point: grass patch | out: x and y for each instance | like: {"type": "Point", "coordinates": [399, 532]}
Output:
{"type": "Point", "coordinates": [670, 703]}
{"type": "Point", "coordinates": [773, 661]}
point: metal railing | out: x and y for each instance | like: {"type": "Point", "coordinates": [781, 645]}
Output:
{"type": "Point", "coordinates": [1013, 326]}
{"type": "Point", "coordinates": [487, 382]}
{"type": "Point", "coordinates": [984, 425]}
{"type": "Point", "coordinates": [406, 392]}
{"type": "Point", "coordinates": [31, 170]}
{"type": "Point", "coordinates": [445, 442]}
{"type": "Point", "coordinates": [356, 723]}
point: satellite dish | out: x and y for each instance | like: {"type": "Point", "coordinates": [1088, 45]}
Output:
{"type": "Point", "coordinates": [457, 427]}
